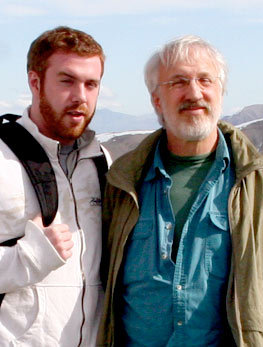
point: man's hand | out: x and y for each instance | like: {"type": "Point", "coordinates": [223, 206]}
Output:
{"type": "Point", "coordinates": [60, 237]}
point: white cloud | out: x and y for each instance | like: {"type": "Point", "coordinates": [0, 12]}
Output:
{"type": "Point", "coordinates": [232, 110]}
{"type": "Point", "coordinates": [5, 107]}
{"type": "Point", "coordinates": [4, 104]}
{"type": "Point", "coordinates": [107, 99]}
{"type": "Point", "coordinates": [23, 100]}
{"type": "Point", "coordinates": [17, 106]}
{"type": "Point", "coordinates": [106, 92]}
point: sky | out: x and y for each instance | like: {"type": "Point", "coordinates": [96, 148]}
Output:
{"type": "Point", "coordinates": [129, 32]}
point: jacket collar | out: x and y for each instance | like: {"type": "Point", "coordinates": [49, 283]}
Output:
{"type": "Point", "coordinates": [246, 156]}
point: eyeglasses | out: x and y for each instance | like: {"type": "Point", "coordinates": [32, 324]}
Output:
{"type": "Point", "coordinates": [181, 82]}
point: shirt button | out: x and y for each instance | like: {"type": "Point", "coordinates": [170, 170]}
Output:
{"type": "Point", "coordinates": [164, 256]}
{"type": "Point", "coordinates": [179, 287]}
{"type": "Point", "coordinates": [168, 226]}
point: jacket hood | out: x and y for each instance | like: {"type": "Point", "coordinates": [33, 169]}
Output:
{"type": "Point", "coordinates": [127, 170]}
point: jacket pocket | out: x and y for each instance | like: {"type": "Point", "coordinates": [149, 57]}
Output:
{"type": "Point", "coordinates": [218, 246]}
{"type": "Point", "coordinates": [21, 316]}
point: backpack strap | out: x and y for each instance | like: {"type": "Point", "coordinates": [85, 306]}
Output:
{"type": "Point", "coordinates": [102, 163]}
{"type": "Point", "coordinates": [36, 163]}
{"type": "Point", "coordinates": [102, 168]}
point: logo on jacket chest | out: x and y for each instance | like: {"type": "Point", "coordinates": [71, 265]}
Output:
{"type": "Point", "coordinates": [95, 201]}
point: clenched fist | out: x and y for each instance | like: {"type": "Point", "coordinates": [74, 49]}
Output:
{"type": "Point", "coordinates": [60, 237]}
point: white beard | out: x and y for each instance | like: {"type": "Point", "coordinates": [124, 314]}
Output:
{"type": "Point", "coordinates": [198, 129]}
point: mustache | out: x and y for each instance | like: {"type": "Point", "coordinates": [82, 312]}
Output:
{"type": "Point", "coordinates": [77, 108]}
{"type": "Point", "coordinates": [192, 104]}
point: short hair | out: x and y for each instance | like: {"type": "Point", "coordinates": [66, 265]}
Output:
{"type": "Point", "coordinates": [179, 49]}
{"type": "Point", "coordinates": [61, 39]}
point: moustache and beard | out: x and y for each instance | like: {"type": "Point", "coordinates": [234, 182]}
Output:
{"type": "Point", "coordinates": [60, 125]}
{"type": "Point", "coordinates": [192, 128]}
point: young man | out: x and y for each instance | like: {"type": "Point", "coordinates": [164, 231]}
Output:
{"type": "Point", "coordinates": [184, 216]}
{"type": "Point", "coordinates": [51, 276]}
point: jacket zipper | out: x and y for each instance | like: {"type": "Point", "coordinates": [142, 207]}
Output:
{"type": "Point", "coordinates": [81, 261]}
{"type": "Point", "coordinates": [81, 249]}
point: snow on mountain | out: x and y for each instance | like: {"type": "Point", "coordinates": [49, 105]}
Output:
{"type": "Point", "coordinates": [109, 136]}
{"type": "Point", "coordinates": [120, 143]}
{"type": "Point", "coordinates": [254, 131]}
{"type": "Point", "coordinates": [247, 114]}
{"type": "Point", "coordinates": [119, 139]}
{"type": "Point", "coordinates": [107, 121]}
{"type": "Point", "coordinates": [250, 121]}
{"type": "Point", "coordinates": [246, 124]}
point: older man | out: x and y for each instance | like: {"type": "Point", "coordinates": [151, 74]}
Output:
{"type": "Point", "coordinates": [184, 215]}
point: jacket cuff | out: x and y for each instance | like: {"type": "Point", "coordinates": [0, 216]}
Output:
{"type": "Point", "coordinates": [40, 251]}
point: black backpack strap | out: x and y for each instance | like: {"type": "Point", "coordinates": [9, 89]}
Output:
{"type": "Point", "coordinates": [36, 163]}
{"type": "Point", "coordinates": [102, 168]}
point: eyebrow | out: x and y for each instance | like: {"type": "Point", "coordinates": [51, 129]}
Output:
{"type": "Point", "coordinates": [66, 74]}
{"type": "Point", "coordinates": [62, 73]}
{"type": "Point", "coordinates": [201, 74]}
{"type": "Point", "coordinates": [177, 75]}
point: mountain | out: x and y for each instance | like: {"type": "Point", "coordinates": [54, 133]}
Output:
{"type": "Point", "coordinates": [120, 143]}
{"type": "Point", "coordinates": [106, 121]}
{"type": "Point", "coordinates": [249, 120]}
{"type": "Point", "coordinates": [247, 114]}
{"type": "Point", "coordinates": [254, 131]}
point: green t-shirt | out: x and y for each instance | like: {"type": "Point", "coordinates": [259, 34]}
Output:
{"type": "Point", "coordinates": [187, 174]}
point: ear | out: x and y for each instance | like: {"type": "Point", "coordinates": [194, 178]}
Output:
{"type": "Point", "coordinates": [156, 101]}
{"type": "Point", "coordinates": [34, 82]}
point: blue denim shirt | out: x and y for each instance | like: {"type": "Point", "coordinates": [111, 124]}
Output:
{"type": "Point", "coordinates": [182, 304]}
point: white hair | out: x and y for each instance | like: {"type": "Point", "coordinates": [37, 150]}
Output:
{"type": "Point", "coordinates": [185, 48]}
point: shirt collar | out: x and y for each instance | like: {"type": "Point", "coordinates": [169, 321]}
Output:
{"type": "Point", "coordinates": [222, 158]}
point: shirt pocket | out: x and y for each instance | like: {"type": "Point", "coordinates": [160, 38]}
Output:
{"type": "Point", "coordinates": [142, 230]}
{"type": "Point", "coordinates": [218, 246]}
{"type": "Point", "coordinates": [137, 263]}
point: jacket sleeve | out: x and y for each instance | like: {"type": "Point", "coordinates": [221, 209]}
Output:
{"type": "Point", "coordinates": [29, 261]}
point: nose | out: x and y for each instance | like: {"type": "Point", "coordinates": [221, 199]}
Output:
{"type": "Point", "coordinates": [193, 91]}
{"type": "Point", "coordinates": [79, 94]}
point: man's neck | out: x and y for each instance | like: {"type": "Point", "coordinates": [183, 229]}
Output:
{"type": "Point", "coordinates": [31, 113]}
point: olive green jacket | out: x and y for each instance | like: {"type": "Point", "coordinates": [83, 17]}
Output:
{"type": "Point", "coordinates": [245, 288]}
